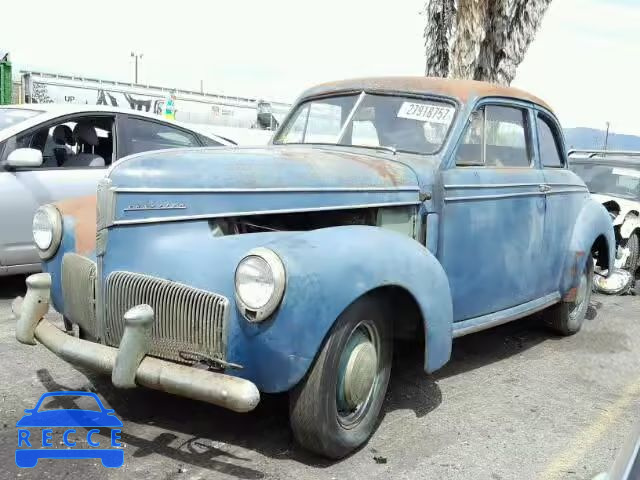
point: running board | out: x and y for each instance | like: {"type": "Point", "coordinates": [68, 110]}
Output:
{"type": "Point", "coordinates": [476, 324]}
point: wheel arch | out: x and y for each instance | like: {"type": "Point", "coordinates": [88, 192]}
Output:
{"type": "Point", "coordinates": [592, 229]}
{"type": "Point", "coordinates": [349, 263]}
{"type": "Point", "coordinates": [599, 251]}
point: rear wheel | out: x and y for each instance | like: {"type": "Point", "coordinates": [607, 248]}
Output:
{"type": "Point", "coordinates": [567, 318]}
{"type": "Point", "coordinates": [335, 409]}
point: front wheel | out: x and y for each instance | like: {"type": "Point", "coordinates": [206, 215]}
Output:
{"type": "Point", "coordinates": [567, 318]}
{"type": "Point", "coordinates": [335, 409]}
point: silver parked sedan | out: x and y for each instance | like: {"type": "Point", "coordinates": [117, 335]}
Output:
{"type": "Point", "coordinates": [49, 152]}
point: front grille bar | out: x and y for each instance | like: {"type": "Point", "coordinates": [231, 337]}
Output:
{"type": "Point", "coordinates": [187, 319]}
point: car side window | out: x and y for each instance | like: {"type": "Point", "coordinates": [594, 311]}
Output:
{"type": "Point", "coordinates": [74, 142]}
{"type": "Point", "coordinates": [506, 137]}
{"type": "Point", "coordinates": [470, 150]}
{"type": "Point", "coordinates": [210, 142]}
{"type": "Point", "coordinates": [497, 136]}
{"type": "Point", "coordinates": [142, 136]}
{"type": "Point", "coordinates": [548, 144]}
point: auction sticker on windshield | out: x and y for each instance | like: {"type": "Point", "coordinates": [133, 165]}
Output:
{"type": "Point", "coordinates": [426, 112]}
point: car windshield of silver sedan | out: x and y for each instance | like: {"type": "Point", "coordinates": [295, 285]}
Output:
{"type": "Point", "coordinates": [11, 116]}
{"type": "Point", "coordinates": [617, 181]}
{"type": "Point", "coordinates": [375, 121]}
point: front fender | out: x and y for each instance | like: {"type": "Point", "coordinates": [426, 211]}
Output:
{"type": "Point", "coordinates": [592, 222]}
{"type": "Point", "coordinates": [329, 269]}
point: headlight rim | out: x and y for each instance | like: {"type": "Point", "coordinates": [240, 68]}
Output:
{"type": "Point", "coordinates": [55, 217]}
{"type": "Point", "coordinates": [279, 274]}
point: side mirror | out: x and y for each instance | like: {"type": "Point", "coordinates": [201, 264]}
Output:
{"type": "Point", "coordinates": [25, 157]}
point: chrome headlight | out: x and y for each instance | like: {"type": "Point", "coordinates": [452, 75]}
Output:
{"type": "Point", "coordinates": [47, 230]}
{"type": "Point", "coordinates": [260, 281]}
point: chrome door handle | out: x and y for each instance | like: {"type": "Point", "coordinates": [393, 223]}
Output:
{"type": "Point", "coordinates": [544, 188]}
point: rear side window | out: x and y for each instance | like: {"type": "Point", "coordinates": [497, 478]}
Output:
{"type": "Point", "coordinates": [143, 136]}
{"type": "Point", "coordinates": [496, 136]}
{"type": "Point", "coordinates": [549, 144]}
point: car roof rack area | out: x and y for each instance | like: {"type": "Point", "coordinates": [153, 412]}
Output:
{"type": "Point", "coordinates": [603, 153]}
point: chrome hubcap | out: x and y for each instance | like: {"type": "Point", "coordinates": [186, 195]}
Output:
{"type": "Point", "coordinates": [360, 373]}
{"type": "Point", "coordinates": [357, 374]}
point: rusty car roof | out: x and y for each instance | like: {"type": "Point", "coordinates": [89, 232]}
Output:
{"type": "Point", "coordinates": [463, 90]}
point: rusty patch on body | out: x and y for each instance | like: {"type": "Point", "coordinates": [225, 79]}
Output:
{"type": "Point", "coordinates": [571, 295]}
{"type": "Point", "coordinates": [389, 170]}
{"type": "Point", "coordinates": [83, 212]}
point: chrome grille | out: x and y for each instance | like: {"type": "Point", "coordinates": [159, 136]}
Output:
{"type": "Point", "coordinates": [79, 291]}
{"type": "Point", "coordinates": [187, 319]}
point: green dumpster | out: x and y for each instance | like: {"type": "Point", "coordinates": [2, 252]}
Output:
{"type": "Point", "coordinates": [5, 79]}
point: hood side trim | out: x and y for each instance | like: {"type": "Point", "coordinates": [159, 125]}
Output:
{"type": "Point", "coordinates": [259, 190]}
{"type": "Point", "coordinates": [259, 212]}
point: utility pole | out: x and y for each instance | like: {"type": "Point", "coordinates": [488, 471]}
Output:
{"type": "Point", "coordinates": [136, 56]}
{"type": "Point", "coordinates": [606, 138]}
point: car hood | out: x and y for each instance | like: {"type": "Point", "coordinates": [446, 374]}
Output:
{"type": "Point", "coordinates": [272, 167]}
{"type": "Point", "coordinates": [198, 183]}
{"type": "Point", "coordinates": [625, 205]}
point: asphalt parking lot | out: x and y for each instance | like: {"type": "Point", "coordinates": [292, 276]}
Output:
{"type": "Point", "coordinates": [514, 402]}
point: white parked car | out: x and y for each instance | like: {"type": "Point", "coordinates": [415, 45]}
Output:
{"type": "Point", "coordinates": [613, 179]}
{"type": "Point", "coordinates": [50, 152]}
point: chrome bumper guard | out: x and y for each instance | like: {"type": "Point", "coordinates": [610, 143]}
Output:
{"type": "Point", "coordinates": [129, 364]}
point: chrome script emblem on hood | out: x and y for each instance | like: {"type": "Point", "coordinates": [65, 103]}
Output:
{"type": "Point", "coordinates": [156, 206]}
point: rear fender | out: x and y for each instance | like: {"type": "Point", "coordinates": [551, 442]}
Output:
{"type": "Point", "coordinates": [592, 222]}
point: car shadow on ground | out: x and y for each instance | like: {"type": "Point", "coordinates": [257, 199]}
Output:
{"type": "Point", "coordinates": [202, 435]}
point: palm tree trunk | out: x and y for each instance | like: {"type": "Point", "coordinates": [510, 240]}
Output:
{"type": "Point", "coordinates": [480, 39]}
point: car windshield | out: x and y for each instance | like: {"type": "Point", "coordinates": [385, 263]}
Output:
{"type": "Point", "coordinates": [619, 181]}
{"type": "Point", "coordinates": [375, 121]}
{"type": "Point", "coordinates": [12, 116]}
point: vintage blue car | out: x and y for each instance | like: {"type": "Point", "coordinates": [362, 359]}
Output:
{"type": "Point", "coordinates": [384, 208]}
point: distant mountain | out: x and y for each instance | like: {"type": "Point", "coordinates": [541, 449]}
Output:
{"type": "Point", "coordinates": [591, 138]}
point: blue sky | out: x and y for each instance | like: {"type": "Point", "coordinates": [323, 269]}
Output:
{"type": "Point", "coordinates": [584, 61]}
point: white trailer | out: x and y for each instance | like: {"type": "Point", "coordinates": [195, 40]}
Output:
{"type": "Point", "coordinates": [191, 106]}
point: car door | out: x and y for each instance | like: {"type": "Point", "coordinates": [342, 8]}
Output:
{"type": "Point", "coordinates": [493, 213]}
{"type": "Point", "coordinates": [23, 190]}
{"type": "Point", "coordinates": [565, 197]}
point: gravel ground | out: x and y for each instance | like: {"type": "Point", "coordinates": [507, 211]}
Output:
{"type": "Point", "coordinates": [515, 402]}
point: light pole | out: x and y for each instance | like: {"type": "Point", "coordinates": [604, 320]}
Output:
{"type": "Point", "coordinates": [136, 56]}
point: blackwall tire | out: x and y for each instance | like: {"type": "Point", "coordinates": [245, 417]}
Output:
{"type": "Point", "coordinates": [566, 318]}
{"type": "Point", "coordinates": [321, 407]}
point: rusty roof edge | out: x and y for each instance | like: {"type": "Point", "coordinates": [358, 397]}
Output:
{"type": "Point", "coordinates": [462, 90]}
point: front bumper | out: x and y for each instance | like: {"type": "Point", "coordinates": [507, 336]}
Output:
{"type": "Point", "coordinates": [128, 365]}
